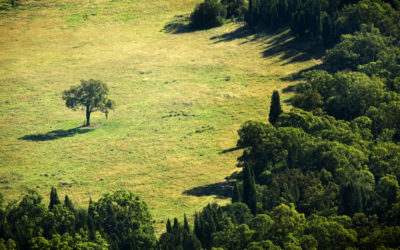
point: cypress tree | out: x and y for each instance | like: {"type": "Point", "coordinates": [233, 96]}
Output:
{"type": "Point", "coordinates": [186, 226]}
{"type": "Point", "coordinates": [236, 193]}
{"type": "Point", "coordinates": [168, 226]}
{"type": "Point", "coordinates": [68, 203]}
{"type": "Point", "coordinates": [275, 110]}
{"type": "Point", "coordinates": [249, 189]}
{"type": "Point", "coordinates": [91, 222]}
{"type": "Point", "coordinates": [54, 200]}
{"type": "Point", "coordinates": [176, 231]}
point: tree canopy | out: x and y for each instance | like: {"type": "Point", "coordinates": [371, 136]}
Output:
{"type": "Point", "coordinates": [90, 95]}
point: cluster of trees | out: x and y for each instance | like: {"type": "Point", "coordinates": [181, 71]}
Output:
{"type": "Point", "coordinates": [326, 174]}
{"type": "Point", "coordinates": [212, 13]}
{"type": "Point", "coordinates": [116, 221]}
{"type": "Point", "coordinates": [324, 20]}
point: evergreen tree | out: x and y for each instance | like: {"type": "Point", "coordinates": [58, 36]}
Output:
{"type": "Point", "coordinates": [168, 226]}
{"type": "Point", "coordinates": [275, 109]}
{"type": "Point", "coordinates": [249, 189]}
{"type": "Point", "coordinates": [186, 226]}
{"type": "Point", "coordinates": [236, 193]}
{"type": "Point", "coordinates": [68, 203]}
{"type": "Point", "coordinates": [54, 200]}
{"type": "Point", "coordinates": [91, 221]}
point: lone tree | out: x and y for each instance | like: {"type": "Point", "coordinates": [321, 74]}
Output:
{"type": "Point", "coordinates": [90, 95]}
{"type": "Point", "coordinates": [276, 109]}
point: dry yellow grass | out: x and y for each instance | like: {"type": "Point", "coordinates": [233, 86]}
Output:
{"type": "Point", "coordinates": [180, 100]}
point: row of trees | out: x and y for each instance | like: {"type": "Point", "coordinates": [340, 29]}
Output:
{"type": "Point", "coordinates": [212, 13]}
{"type": "Point", "coordinates": [324, 20]}
{"type": "Point", "coordinates": [116, 221]}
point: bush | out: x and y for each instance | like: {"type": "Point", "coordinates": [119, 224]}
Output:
{"type": "Point", "coordinates": [210, 13]}
{"type": "Point", "coordinates": [235, 9]}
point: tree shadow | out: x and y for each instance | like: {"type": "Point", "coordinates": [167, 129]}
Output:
{"type": "Point", "coordinates": [228, 150]}
{"type": "Point", "coordinates": [56, 134]}
{"type": "Point", "coordinates": [179, 24]}
{"type": "Point", "coordinates": [300, 74]}
{"type": "Point", "coordinates": [292, 49]}
{"type": "Point", "coordinates": [220, 189]}
{"type": "Point", "coordinates": [241, 32]}
{"type": "Point", "coordinates": [280, 43]}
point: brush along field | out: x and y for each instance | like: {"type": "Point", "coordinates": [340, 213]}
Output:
{"type": "Point", "coordinates": [180, 96]}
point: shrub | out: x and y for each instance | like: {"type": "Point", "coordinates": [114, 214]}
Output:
{"type": "Point", "coordinates": [210, 13]}
{"type": "Point", "coordinates": [235, 9]}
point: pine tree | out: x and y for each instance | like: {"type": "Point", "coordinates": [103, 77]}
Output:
{"type": "Point", "coordinates": [236, 193]}
{"type": "Point", "coordinates": [275, 110]}
{"type": "Point", "coordinates": [249, 189]}
{"type": "Point", "coordinates": [54, 200]}
{"type": "Point", "coordinates": [68, 203]}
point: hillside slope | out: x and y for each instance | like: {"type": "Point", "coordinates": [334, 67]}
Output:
{"type": "Point", "coordinates": [181, 96]}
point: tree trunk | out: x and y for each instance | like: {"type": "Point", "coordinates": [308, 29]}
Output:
{"type": "Point", "coordinates": [87, 116]}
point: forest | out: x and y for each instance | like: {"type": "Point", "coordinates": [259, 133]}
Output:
{"type": "Point", "coordinates": [322, 175]}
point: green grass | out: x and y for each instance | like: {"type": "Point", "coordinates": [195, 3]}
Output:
{"type": "Point", "coordinates": [180, 100]}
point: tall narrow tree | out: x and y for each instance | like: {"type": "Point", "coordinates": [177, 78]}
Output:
{"type": "Point", "coordinates": [275, 110]}
{"type": "Point", "coordinates": [186, 226]}
{"type": "Point", "coordinates": [68, 203]}
{"type": "Point", "coordinates": [54, 200]}
{"type": "Point", "coordinates": [91, 221]}
{"type": "Point", "coordinates": [249, 189]}
{"type": "Point", "coordinates": [236, 193]}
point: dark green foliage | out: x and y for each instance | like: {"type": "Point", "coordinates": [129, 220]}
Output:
{"type": "Point", "coordinates": [236, 193]}
{"type": "Point", "coordinates": [125, 220]}
{"type": "Point", "coordinates": [275, 110]}
{"type": "Point", "coordinates": [179, 237]}
{"type": "Point", "coordinates": [54, 200]}
{"type": "Point", "coordinates": [249, 189]}
{"type": "Point", "coordinates": [235, 9]}
{"type": "Point", "coordinates": [344, 95]}
{"type": "Point", "coordinates": [14, 3]}
{"type": "Point", "coordinates": [324, 21]}
{"type": "Point", "coordinates": [68, 204]}
{"type": "Point", "coordinates": [357, 49]}
{"type": "Point", "coordinates": [210, 13]}
{"type": "Point", "coordinates": [91, 95]}
{"type": "Point", "coordinates": [29, 225]}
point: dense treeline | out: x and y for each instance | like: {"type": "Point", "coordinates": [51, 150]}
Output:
{"type": "Point", "coordinates": [326, 174]}
{"type": "Point", "coordinates": [325, 20]}
{"type": "Point", "coordinates": [116, 221]}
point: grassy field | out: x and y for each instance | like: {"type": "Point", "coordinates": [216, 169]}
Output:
{"type": "Point", "coordinates": [181, 96]}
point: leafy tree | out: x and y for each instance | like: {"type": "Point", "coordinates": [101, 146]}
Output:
{"type": "Point", "coordinates": [125, 219]}
{"type": "Point", "coordinates": [91, 95]}
{"type": "Point", "coordinates": [275, 109]}
{"type": "Point", "coordinates": [357, 49]}
{"type": "Point", "coordinates": [235, 8]}
{"type": "Point", "coordinates": [210, 13]}
{"type": "Point", "coordinates": [25, 219]}
{"type": "Point", "coordinates": [331, 234]}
